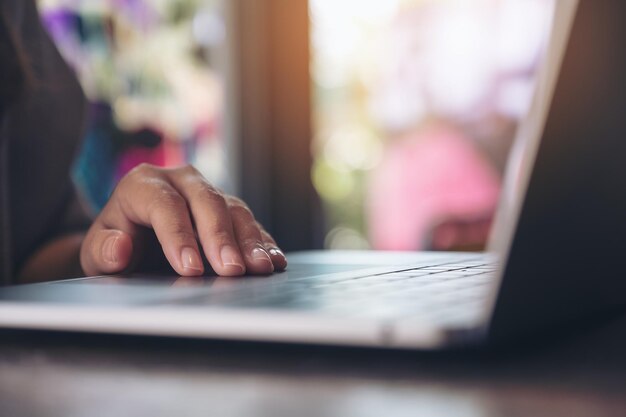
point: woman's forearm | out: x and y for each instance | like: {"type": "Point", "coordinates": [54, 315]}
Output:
{"type": "Point", "coordinates": [56, 259]}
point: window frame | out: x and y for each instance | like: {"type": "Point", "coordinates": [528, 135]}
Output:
{"type": "Point", "coordinates": [268, 117]}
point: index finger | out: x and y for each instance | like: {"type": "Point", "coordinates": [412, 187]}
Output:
{"type": "Point", "coordinates": [213, 221]}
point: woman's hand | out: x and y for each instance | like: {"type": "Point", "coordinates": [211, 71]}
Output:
{"type": "Point", "coordinates": [187, 215]}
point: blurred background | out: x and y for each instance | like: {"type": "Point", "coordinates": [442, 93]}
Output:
{"type": "Point", "coordinates": [345, 124]}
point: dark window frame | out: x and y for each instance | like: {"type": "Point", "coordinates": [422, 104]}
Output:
{"type": "Point", "coordinates": [268, 117]}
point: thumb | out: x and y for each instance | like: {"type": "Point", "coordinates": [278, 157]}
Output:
{"type": "Point", "coordinates": [106, 251]}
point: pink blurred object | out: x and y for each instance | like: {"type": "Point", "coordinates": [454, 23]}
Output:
{"type": "Point", "coordinates": [425, 180]}
{"type": "Point", "coordinates": [167, 153]}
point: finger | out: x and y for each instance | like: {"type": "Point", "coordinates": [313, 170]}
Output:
{"type": "Point", "coordinates": [213, 221]}
{"type": "Point", "coordinates": [276, 254]}
{"type": "Point", "coordinates": [106, 251]}
{"type": "Point", "coordinates": [258, 260]}
{"type": "Point", "coordinates": [147, 199]}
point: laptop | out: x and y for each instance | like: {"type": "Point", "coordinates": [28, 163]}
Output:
{"type": "Point", "coordinates": [556, 254]}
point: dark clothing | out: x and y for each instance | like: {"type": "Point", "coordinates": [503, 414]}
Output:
{"type": "Point", "coordinates": [39, 134]}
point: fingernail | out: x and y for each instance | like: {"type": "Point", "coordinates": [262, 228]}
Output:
{"type": "Point", "coordinates": [281, 262]}
{"type": "Point", "coordinates": [191, 259]}
{"type": "Point", "coordinates": [276, 252]}
{"type": "Point", "coordinates": [230, 258]}
{"type": "Point", "coordinates": [259, 254]}
{"type": "Point", "coordinates": [109, 252]}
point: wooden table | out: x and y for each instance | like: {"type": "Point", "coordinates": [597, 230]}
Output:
{"type": "Point", "coordinates": [65, 375]}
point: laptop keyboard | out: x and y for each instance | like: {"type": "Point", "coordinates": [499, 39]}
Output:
{"type": "Point", "coordinates": [446, 292]}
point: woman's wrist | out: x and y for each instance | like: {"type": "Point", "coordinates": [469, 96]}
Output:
{"type": "Point", "coordinates": [57, 259]}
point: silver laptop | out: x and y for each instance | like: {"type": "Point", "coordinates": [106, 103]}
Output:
{"type": "Point", "coordinates": [557, 252]}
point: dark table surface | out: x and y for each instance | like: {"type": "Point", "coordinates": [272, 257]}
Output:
{"type": "Point", "coordinates": [581, 373]}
